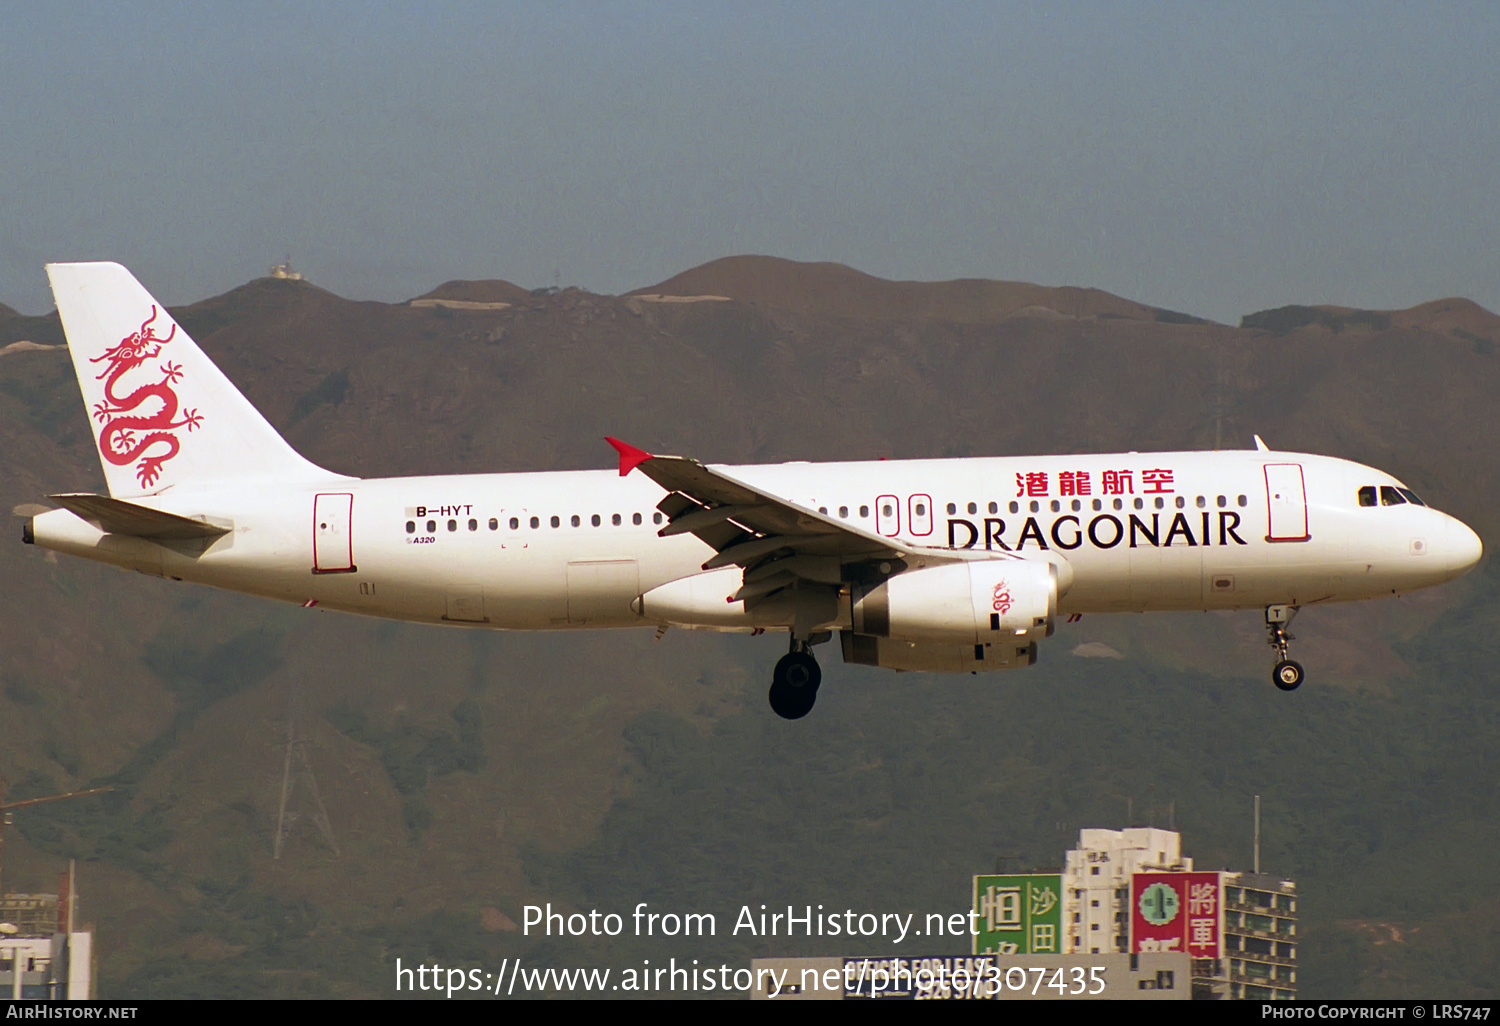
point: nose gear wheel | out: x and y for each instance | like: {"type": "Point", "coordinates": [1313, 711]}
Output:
{"type": "Point", "coordinates": [1287, 673]}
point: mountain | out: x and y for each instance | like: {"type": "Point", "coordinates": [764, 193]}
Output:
{"type": "Point", "coordinates": [467, 774]}
{"type": "Point", "coordinates": [838, 291]}
{"type": "Point", "coordinates": [491, 291]}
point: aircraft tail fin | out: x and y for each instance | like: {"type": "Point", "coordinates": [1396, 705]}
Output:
{"type": "Point", "coordinates": [162, 415]}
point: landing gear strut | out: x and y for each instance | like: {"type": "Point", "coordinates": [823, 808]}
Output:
{"type": "Point", "coordinates": [1287, 674]}
{"type": "Point", "coordinates": [794, 684]}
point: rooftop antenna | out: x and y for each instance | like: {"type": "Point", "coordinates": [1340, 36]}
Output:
{"type": "Point", "coordinates": [1257, 835]}
{"type": "Point", "coordinates": [297, 769]}
{"type": "Point", "coordinates": [1219, 389]}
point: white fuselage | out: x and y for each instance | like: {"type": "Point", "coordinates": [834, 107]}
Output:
{"type": "Point", "coordinates": [1140, 532]}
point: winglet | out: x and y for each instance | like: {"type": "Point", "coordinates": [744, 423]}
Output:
{"type": "Point", "coordinates": [1261, 445]}
{"type": "Point", "coordinates": [630, 456]}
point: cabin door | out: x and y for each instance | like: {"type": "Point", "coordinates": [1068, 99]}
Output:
{"type": "Point", "coordinates": [1286, 501]}
{"type": "Point", "coordinates": [333, 547]}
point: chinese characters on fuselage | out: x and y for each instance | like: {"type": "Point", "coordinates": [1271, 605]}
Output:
{"type": "Point", "coordinates": [1099, 528]}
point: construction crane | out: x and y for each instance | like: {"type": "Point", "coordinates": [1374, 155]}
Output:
{"type": "Point", "coordinates": [6, 807]}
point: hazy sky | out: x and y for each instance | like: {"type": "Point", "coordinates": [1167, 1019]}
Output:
{"type": "Point", "coordinates": [1203, 157]}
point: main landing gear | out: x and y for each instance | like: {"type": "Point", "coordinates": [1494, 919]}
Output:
{"type": "Point", "coordinates": [1287, 674]}
{"type": "Point", "coordinates": [794, 684]}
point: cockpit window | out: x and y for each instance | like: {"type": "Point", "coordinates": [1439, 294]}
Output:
{"type": "Point", "coordinates": [1367, 495]}
{"type": "Point", "coordinates": [1411, 496]}
{"type": "Point", "coordinates": [1390, 497]}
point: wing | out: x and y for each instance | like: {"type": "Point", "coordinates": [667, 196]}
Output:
{"type": "Point", "coordinates": [776, 540]}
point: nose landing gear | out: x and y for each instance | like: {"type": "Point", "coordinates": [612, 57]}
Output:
{"type": "Point", "coordinates": [794, 684]}
{"type": "Point", "coordinates": [1287, 673]}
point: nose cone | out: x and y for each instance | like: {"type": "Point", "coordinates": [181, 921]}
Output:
{"type": "Point", "coordinates": [1462, 548]}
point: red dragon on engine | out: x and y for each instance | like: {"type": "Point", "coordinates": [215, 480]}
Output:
{"type": "Point", "coordinates": [126, 438]}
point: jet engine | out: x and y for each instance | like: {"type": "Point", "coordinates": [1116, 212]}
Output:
{"type": "Point", "coordinates": [972, 603]}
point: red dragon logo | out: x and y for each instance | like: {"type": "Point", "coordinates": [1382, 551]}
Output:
{"type": "Point", "coordinates": [124, 439]}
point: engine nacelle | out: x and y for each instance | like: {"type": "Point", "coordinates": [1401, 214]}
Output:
{"type": "Point", "coordinates": [972, 603]}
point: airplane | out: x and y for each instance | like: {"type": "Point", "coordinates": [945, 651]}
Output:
{"type": "Point", "coordinates": [938, 565]}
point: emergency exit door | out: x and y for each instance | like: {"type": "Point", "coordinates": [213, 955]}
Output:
{"type": "Point", "coordinates": [1286, 502]}
{"type": "Point", "coordinates": [333, 546]}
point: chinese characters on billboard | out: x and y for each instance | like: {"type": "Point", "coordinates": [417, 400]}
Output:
{"type": "Point", "coordinates": [1176, 912]}
{"type": "Point", "coordinates": [1019, 914]}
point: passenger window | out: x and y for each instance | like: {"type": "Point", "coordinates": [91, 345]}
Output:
{"type": "Point", "coordinates": [574, 520]}
{"type": "Point", "coordinates": [615, 520]}
{"type": "Point", "coordinates": [1243, 501]}
{"type": "Point", "coordinates": [1035, 505]}
{"type": "Point", "coordinates": [844, 511]}
{"type": "Point", "coordinates": [411, 527]}
{"type": "Point", "coordinates": [473, 524]}
{"type": "Point", "coordinates": [1390, 497]}
{"type": "Point", "coordinates": [535, 523]}
{"type": "Point", "coordinates": [994, 507]}
{"type": "Point", "coordinates": [594, 520]}
{"type": "Point", "coordinates": [1411, 496]}
{"type": "Point", "coordinates": [973, 509]}
{"type": "Point", "coordinates": [556, 522]}
{"type": "Point", "coordinates": [1056, 505]}
{"type": "Point", "coordinates": [656, 518]}
{"type": "Point", "coordinates": [494, 524]}
{"type": "Point", "coordinates": [1222, 501]}
{"type": "Point", "coordinates": [1160, 502]}
{"type": "Point", "coordinates": [515, 524]}
{"type": "Point", "coordinates": [823, 510]}
{"type": "Point", "coordinates": [952, 509]}
{"type": "Point", "coordinates": [1119, 504]}
{"type": "Point", "coordinates": [635, 518]}
{"type": "Point", "coordinates": [921, 509]}
{"type": "Point", "coordinates": [431, 526]}
{"type": "Point", "coordinates": [864, 511]}
{"type": "Point", "coordinates": [1202, 502]}
{"type": "Point", "coordinates": [887, 510]}
{"type": "Point", "coordinates": [1015, 507]}
{"type": "Point", "coordinates": [1139, 503]}
{"type": "Point", "coordinates": [453, 525]}
{"type": "Point", "coordinates": [1181, 502]}
{"type": "Point", "coordinates": [1077, 505]}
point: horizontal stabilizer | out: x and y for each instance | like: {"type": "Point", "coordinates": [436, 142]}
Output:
{"type": "Point", "coordinates": [115, 516]}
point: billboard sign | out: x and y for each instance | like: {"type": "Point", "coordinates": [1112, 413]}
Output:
{"type": "Point", "coordinates": [1177, 912]}
{"type": "Point", "coordinates": [1019, 914]}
